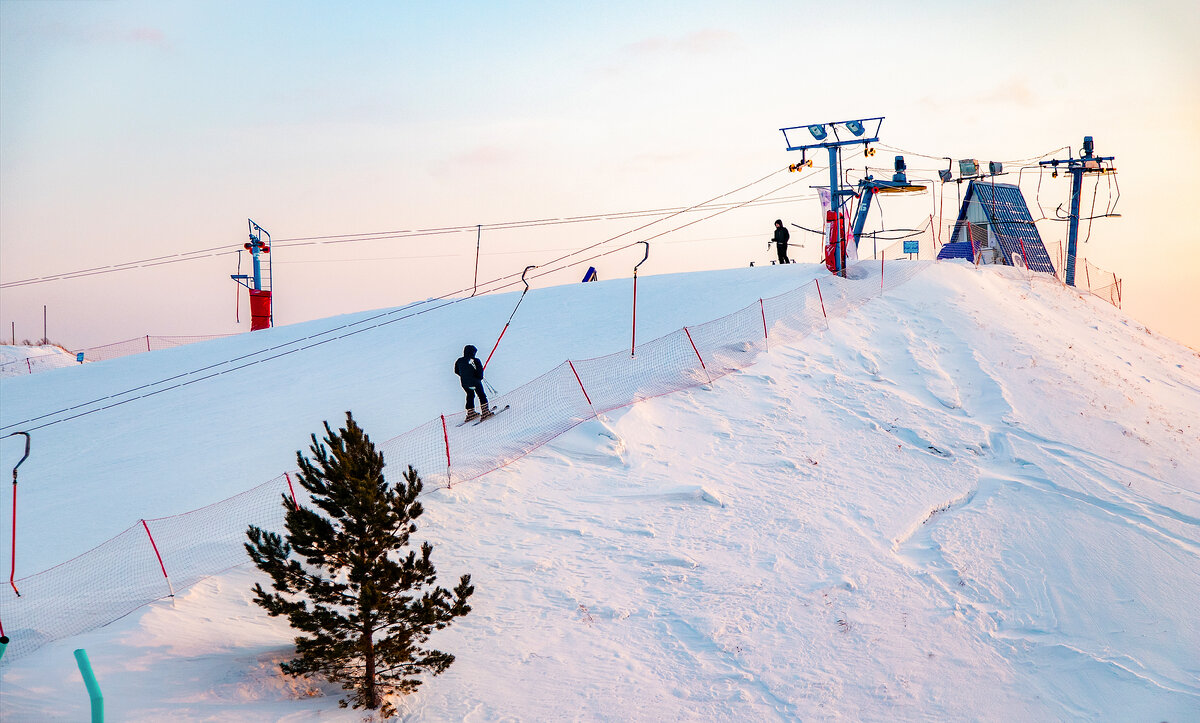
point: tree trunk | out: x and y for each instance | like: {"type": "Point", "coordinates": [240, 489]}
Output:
{"type": "Point", "coordinates": [370, 696]}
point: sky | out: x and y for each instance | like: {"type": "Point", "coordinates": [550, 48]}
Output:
{"type": "Point", "coordinates": [137, 130]}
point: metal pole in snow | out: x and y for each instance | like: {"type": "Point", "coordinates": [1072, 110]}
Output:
{"type": "Point", "coordinates": [633, 341]}
{"type": "Point", "coordinates": [478, 237]}
{"type": "Point", "coordinates": [93, 687]}
{"type": "Point", "coordinates": [13, 569]}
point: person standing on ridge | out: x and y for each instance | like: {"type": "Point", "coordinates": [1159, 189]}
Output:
{"type": "Point", "coordinates": [470, 373]}
{"type": "Point", "coordinates": [781, 241]}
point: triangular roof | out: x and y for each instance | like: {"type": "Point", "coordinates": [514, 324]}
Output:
{"type": "Point", "coordinates": [1009, 221]}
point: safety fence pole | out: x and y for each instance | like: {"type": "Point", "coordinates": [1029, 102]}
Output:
{"type": "Point", "coordinates": [147, 342]}
{"type": "Point", "coordinates": [295, 502]}
{"type": "Point", "coordinates": [583, 389]}
{"type": "Point", "coordinates": [161, 566]}
{"type": "Point", "coordinates": [702, 366]}
{"type": "Point", "coordinates": [821, 298]}
{"type": "Point", "coordinates": [882, 254]}
{"type": "Point", "coordinates": [763, 310]}
{"type": "Point", "coordinates": [446, 437]}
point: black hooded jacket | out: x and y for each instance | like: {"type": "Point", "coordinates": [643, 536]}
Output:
{"type": "Point", "coordinates": [781, 235]}
{"type": "Point", "coordinates": [468, 368]}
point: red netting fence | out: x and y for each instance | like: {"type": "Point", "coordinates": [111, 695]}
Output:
{"type": "Point", "coordinates": [156, 557]}
{"type": "Point", "coordinates": [35, 364]}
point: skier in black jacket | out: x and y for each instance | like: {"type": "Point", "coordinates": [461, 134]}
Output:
{"type": "Point", "coordinates": [781, 241]}
{"type": "Point", "coordinates": [470, 373]}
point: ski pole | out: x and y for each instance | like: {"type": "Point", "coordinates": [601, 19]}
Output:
{"type": "Point", "coordinates": [13, 570]}
{"type": "Point", "coordinates": [633, 342]}
{"type": "Point", "coordinates": [510, 316]}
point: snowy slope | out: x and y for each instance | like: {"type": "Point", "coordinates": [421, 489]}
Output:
{"type": "Point", "coordinates": [973, 498]}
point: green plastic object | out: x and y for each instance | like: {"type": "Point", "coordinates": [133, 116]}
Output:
{"type": "Point", "coordinates": [3, 645]}
{"type": "Point", "coordinates": [93, 688]}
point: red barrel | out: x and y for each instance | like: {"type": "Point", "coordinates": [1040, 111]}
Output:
{"type": "Point", "coordinates": [260, 310]}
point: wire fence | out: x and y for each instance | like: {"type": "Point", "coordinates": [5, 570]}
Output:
{"type": "Point", "coordinates": [154, 558]}
{"type": "Point", "coordinates": [65, 358]}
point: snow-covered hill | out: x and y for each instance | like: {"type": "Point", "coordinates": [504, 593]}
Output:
{"type": "Point", "coordinates": [973, 498]}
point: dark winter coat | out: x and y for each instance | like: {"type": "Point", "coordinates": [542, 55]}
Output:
{"type": "Point", "coordinates": [468, 368]}
{"type": "Point", "coordinates": [781, 235]}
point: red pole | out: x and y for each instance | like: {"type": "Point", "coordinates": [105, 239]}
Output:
{"type": "Point", "coordinates": [288, 477]}
{"type": "Point", "coordinates": [147, 342]}
{"type": "Point", "coordinates": [821, 297]}
{"type": "Point", "coordinates": [446, 436]}
{"type": "Point", "coordinates": [702, 366]}
{"type": "Point", "coordinates": [160, 561]}
{"type": "Point", "coordinates": [763, 309]}
{"type": "Point", "coordinates": [581, 387]}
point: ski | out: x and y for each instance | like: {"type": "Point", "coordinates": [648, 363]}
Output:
{"type": "Point", "coordinates": [495, 411]}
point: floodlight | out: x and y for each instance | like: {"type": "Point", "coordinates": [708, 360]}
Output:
{"type": "Point", "coordinates": [968, 167]}
{"type": "Point", "coordinates": [818, 132]}
{"type": "Point", "coordinates": [946, 175]}
{"type": "Point", "coordinates": [855, 127]}
{"type": "Point", "coordinates": [995, 168]}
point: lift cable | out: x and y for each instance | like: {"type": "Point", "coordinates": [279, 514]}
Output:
{"type": "Point", "coordinates": [413, 309]}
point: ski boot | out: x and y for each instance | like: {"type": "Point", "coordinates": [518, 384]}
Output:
{"type": "Point", "coordinates": [472, 415]}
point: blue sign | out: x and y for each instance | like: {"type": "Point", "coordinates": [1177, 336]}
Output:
{"type": "Point", "coordinates": [912, 247]}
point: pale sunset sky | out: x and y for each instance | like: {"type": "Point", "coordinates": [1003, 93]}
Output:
{"type": "Point", "coordinates": [131, 131]}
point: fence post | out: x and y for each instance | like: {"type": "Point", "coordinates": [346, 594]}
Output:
{"type": "Point", "coordinates": [584, 390]}
{"type": "Point", "coordinates": [147, 342]}
{"type": "Point", "coordinates": [822, 298]}
{"type": "Point", "coordinates": [161, 566]}
{"type": "Point", "coordinates": [295, 503]}
{"type": "Point", "coordinates": [766, 340]}
{"type": "Point", "coordinates": [882, 254]}
{"type": "Point", "coordinates": [446, 437]}
{"type": "Point", "coordinates": [702, 366]}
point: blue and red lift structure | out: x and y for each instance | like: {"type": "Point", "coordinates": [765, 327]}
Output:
{"type": "Point", "coordinates": [869, 186]}
{"type": "Point", "coordinates": [262, 315]}
{"type": "Point", "coordinates": [833, 137]}
{"type": "Point", "coordinates": [1087, 163]}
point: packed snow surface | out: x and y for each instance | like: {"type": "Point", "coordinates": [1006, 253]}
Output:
{"type": "Point", "coordinates": [974, 498]}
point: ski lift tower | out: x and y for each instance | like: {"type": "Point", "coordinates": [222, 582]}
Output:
{"type": "Point", "coordinates": [261, 313]}
{"type": "Point", "coordinates": [1087, 162]}
{"type": "Point", "coordinates": [854, 132]}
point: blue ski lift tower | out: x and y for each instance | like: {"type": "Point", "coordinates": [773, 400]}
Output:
{"type": "Point", "coordinates": [1088, 162]}
{"type": "Point", "coordinates": [831, 137]}
{"type": "Point", "coordinates": [262, 315]}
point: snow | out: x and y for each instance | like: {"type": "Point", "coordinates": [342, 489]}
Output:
{"type": "Point", "coordinates": [22, 360]}
{"type": "Point", "coordinates": [971, 498]}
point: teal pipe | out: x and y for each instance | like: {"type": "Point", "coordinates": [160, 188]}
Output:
{"type": "Point", "coordinates": [93, 688]}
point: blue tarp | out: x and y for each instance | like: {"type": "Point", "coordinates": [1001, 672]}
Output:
{"type": "Point", "coordinates": [957, 250]}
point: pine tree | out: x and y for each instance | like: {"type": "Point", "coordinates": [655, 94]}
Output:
{"type": "Point", "coordinates": [372, 607]}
